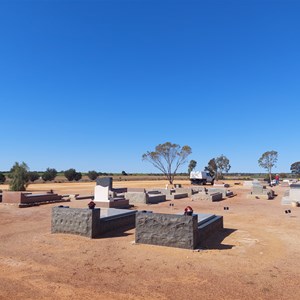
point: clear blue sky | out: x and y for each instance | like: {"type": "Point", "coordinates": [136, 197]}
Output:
{"type": "Point", "coordinates": [95, 84]}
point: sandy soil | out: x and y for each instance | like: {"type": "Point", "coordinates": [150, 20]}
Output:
{"type": "Point", "coordinates": [256, 256]}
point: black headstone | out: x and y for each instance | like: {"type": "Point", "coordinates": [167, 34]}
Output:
{"type": "Point", "coordinates": [105, 181]}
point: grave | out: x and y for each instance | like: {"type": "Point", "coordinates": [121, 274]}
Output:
{"type": "Point", "coordinates": [261, 192]}
{"type": "Point", "coordinates": [90, 222]}
{"type": "Point", "coordinates": [212, 194]}
{"type": "Point", "coordinates": [172, 194]}
{"type": "Point", "coordinates": [285, 183]}
{"type": "Point", "coordinates": [292, 196]}
{"type": "Point", "coordinates": [221, 184]}
{"type": "Point", "coordinates": [178, 231]}
{"type": "Point", "coordinates": [225, 192]}
{"type": "Point", "coordinates": [25, 199]}
{"type": "Point", "coordinates": [107, 197]}
{"type": "Point", "coordinates": [206, 196]}
{"type": "Point", "coordinates": [139, 195]}
{"type": "Point", "coordinates": [250, 183]}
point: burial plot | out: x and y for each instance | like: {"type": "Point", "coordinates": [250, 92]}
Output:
{"type": "Point", "coordinates": [180, 231]}
{"type": "Point", "coordinates": [90, 222]}
{"type": "Point", "coordinates": [292, 196]}
{"type": "Point", "coordinates": [105, 196]}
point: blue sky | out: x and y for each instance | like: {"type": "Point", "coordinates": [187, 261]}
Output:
{"type": "Point", "coordinates": [95, 84]}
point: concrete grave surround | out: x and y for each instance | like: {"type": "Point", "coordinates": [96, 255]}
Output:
{"type": "Point", "coordinates": [225, 192]}
{"type": "Point", "coordinates": [171, 194]}
{"type": "Point", "coordinates": [88, 222]}
{"type": "Point", "coordinates": [292, 195]}
{"type": "Point", "coordinates": [175, 230]}
{"type": "Point", "coordinates": [260, 191]}
{"type": "Point", "coordinates": [285, 183]}
{"type": "Point", "coordinates": [142, 197]}
{"type": "Point", "coordinates": [26, 199]}
{"type": "Point", "coordinates": [250, 183]}
{"type": "Point", "coordinates": [208, 196]}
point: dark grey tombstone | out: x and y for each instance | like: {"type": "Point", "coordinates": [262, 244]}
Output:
{"type": "Point", "coordinates": [295, 186]}
{"type": "Point", "coordinates": [105, 181]}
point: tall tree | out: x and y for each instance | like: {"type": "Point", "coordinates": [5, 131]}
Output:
{"type": "Point", "coordinates": [192, 166]}
{"type": "Point", "coordinates": [19, 177]}
{"type": "Point", "coordinates": [212, 167]}
{"type": "Point", "coordinates": [222, 163]}
{"type": "Point", "coordinates": [268, 160]}
{"type": "Point", "coordinates": [168, 158]}
{"type": "Point", "coordinates": [295, 168]}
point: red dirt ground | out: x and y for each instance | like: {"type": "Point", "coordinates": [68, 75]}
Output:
{"type": "Point", "coordinates": [256, 256]}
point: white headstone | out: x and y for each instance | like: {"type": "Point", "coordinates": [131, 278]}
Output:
{"type": "Point", "coordinates": [295, 192]}
{"type": "Point", "coordinates": [101, 193]}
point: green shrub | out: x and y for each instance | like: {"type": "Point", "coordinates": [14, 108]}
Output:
{"type": "Point", "coordinates": [19, 177]}
{"type": "Point", "coordinates": [70, 174]}
{"type": "Point", "coordinates": [2, 178]}
{"type": "Point", "coordinates": [49, 174]}
{"type": "Point", "coordinates": [92, 175]}
{"type": "Point", "coordinates": [78, 176]}
{"type": "Point", "coordinates": [33, 176]}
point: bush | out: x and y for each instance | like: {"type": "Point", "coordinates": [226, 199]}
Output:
{"type": "Point", "coordinates": [49, 174]}
{"type": "Point", "coordinates": [78, 176]}
{"type": "Point", "coordinates": [70, 174]}
{"type": "Point", "coordinates": [92, 175]}
{"type": "Point", "coordinates": [19, 177]}
{"type": "Point", "coordinates": [2, 178]}
{"type": "Point", "coordinates": [33, 176]}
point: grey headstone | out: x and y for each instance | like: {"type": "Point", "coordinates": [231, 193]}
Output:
{"type": "Point", "coordinates": [295, 186]}
{"type": "Point", "coordinates": [105, 181]}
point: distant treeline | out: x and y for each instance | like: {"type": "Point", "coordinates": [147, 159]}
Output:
{"type": "Point", "coordinates": [123, 173]}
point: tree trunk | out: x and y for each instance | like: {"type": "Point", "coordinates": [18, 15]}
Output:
{"type": "Point", "coordinates": [270, 176]}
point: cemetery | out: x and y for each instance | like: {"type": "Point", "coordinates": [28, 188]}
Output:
{"type": "Point", "coordinates": [158, 229]}
{"type": "Point", "coordinates": [153, 239]}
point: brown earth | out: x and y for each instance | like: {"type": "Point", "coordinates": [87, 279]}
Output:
{"type": "Point", "coordinates": [256, 256]}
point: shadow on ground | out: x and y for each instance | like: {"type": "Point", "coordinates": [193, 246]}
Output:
{"type": "Point", "coordinates": [215, 241]}
{"type": "Point", "coordinates": [116, 233]}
